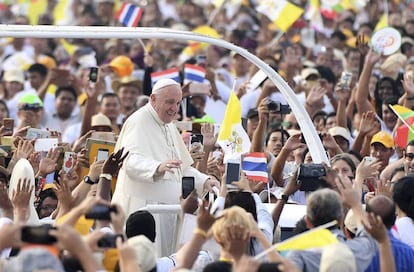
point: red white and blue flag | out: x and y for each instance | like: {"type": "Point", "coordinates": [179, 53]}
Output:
{"type": "Point", "coordinates": [254, 165]}
{"type": "Point", "coordinates": [172, 73]}
{"type": "Point", "coordinates": [194, 73]}
{"type": "Point", "coordinates": [129, 15]}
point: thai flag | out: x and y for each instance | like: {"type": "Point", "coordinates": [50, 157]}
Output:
{"type": "Point", "coordinates": [129, 15]}
{"type": "Point", "coordinates": [194, 73]}
{"type": "Point", "coordinates": [170, 73]}
{"type": "Point", "coordinates": [255, 166]}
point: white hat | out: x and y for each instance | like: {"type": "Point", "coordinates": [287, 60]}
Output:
{"type": "Point", "coordinates": [340, 131]}
{"type": "Point", "coordinates": [100, 120]}
{"type": "Point", "coordinates": [14, 75]}
{"type": "Point", "coordinates": [339, 258]}
{"type": "Point", "coordinates": [162, 83]}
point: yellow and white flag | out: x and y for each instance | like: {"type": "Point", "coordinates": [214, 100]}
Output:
{"type": "Point", "coordinates": [281, 12]}
{"type": "Point", "coordinates": [232, 138]}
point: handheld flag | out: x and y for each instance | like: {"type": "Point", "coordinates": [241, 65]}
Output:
{"type": "Point", "coordinates": [382, 23]}
{"type": "Point", "coordinates": [194, 73]}
{"type": "Point", "coordinates": [129, 15]}
{"type": "Point", "coordinates": [314, 238]}
{"type": "Point", "coordinates": [404, 133]}
{"type": "Point", "coordinates": [255, 166]}
{"type": "Point", "coordinates": [232, 138]}
{"type": "Point", "coordinates": [170, 73]}
{"type": "Point", "coordinates": [282, 13]}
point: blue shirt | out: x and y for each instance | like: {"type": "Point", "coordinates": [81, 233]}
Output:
{"type": "Point", "coordinates": [403, 256]}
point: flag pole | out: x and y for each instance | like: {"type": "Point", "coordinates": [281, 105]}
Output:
{"type": "Point", "coordinates": [215, 12]}
{"type": "Point", "coordinates": [143, 46]}
{"type": "Point", "coordinates": [273, 247]}
{"type": "Point", "coordinates": [402, 119]}
{"type": "Point", "coordinates": [276, 39]}
{"type": "Point", "coordinates": [268, 192]}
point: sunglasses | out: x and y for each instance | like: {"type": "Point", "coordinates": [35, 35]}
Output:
{"type": "Point", "coordinates": [31, 107]}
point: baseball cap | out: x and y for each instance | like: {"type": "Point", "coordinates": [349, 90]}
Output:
{"type": "Point", "coordinates": [340, 131]}
{"type": "Point", "coordinates": [308, 72]}
{"type": "Point", "coordinates": [383, 138]}
{"type": "Point", "coordinates": [32, 100]}
{"type": "Point", "coordinates": [14, 75]}
{"type": "Point", "coordinates": [122, 66]}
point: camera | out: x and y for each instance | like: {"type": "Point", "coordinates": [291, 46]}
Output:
{"type": "Point", "coordinates": [278, 107]}
{"type": "Point", "coordinates": [309, 175]}
{"type": "Point", "coordinates": [38, 234]}
{"type": "Point", "coordinates": [100, 212]}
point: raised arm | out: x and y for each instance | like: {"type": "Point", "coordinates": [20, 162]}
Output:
{"type": "Point", "coordinates": [260, 131]}
{"type": "Point", "coordinates": [362, 95]}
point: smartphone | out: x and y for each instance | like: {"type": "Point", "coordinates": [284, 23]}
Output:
{"type": "Point", "coordinates": [232, 171]}
{"type": "Point", "coordinates": [370, 184]}
{"type": "Point", "coordinates": [35, 133]}
{"type": "Point", "coordinates": [345, 80]}
{"type": "Point", "coordinates": [102, 154]}
{"type": "Point", "coordinates": [197, 141]}
{"type": "Point", "coordinates": [199, 88]}
{"type": "Point", "coordinates": [369, 159]}
{"type": "Point", "coordinates": [93, 74]}
{"type": "Point", "coordinates": [38, 234]}
{"type": "Point", "coordinates": [68, 161]}
{"type": "Point", "coordinates": [187, 185]}
{"type": "Point", "coordinates": [109, 240]}
{"type": "Point", "coordinates": [100, 212]}
{"type": "Point", "coordinates": [45, 144]}
{"type": "Point", "coordinates": [8, 124]}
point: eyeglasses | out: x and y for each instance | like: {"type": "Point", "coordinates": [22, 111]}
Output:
{"type": "Point", "coordinates": [36, 107]}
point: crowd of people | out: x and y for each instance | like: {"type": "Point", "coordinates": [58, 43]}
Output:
{"type": "Point", "coordinates": [64, 210]}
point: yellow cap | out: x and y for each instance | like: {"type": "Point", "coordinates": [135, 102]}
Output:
{"type": "Point", "coordinates": [383, 138]}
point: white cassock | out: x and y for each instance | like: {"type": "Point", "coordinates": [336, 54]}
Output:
{"type": "Point", "coordinates": [151, 142]}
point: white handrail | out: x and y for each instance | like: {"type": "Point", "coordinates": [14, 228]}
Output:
{"type": "Point", "coordinates": [99, 32]}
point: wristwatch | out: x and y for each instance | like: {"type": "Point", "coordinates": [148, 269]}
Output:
{"type": "Point", "coordinates": [284, 198]}
{"type": "Point", "coordinates": [88, 180]}
{"type": "Point", "coordinates": [106, 176]}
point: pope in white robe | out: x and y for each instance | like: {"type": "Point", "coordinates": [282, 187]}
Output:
{"type": "Point", "coordinates": [158, 157]}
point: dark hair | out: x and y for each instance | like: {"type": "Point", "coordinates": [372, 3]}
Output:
{"type": "Point", "coordinates": [69, 89]}
{"type": "Point", "coordinates": [241, 199]}
{"type": "Point", "coordinates": [410, 143]}
{"type": "Point", "coordinates": [43, 195]}
{"type": "Point", "coordinates": [403, 195]}
{"type": "Point", "coordinates": [378, 100]}
{"type": "Point", "coordinates": [284, 133]}
{"type": "Point", "coordinates": [300, 226]}
{"type": "Point", "coordinates": [38, 68]}
{"type": "Point", "coordinates": [105, 95]}
{"type": "Point", "coordinates": [326, 73]}
{"type": "Point", "coordinates": [346, 158]}
{"type": "Point", "coordinates": [140, 223]}
{"type": "Point", "coordinates": [338, 34]}
{"type": "Point", "coordinates": [2, 102]}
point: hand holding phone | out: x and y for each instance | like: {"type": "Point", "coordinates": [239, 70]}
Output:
{"type": "Point", "coordinates": [8, 124]}
{"type": "Point", "coordinates": [187, 186]}
{"type": "Point", "coordinates": [38, 234]}
{"type": "Point", "coordinates": [100, 212]}
{"type": "Point", "coordinates": [232, 171]}
{"type": "Point", "coordinates": [93, 74]}
{"type": "Point", "coordinates": [109, 240]}
{"type": "Point", "coordinates": [102, 154]}
{"type": "Point", "coordinates": [196, 142]}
